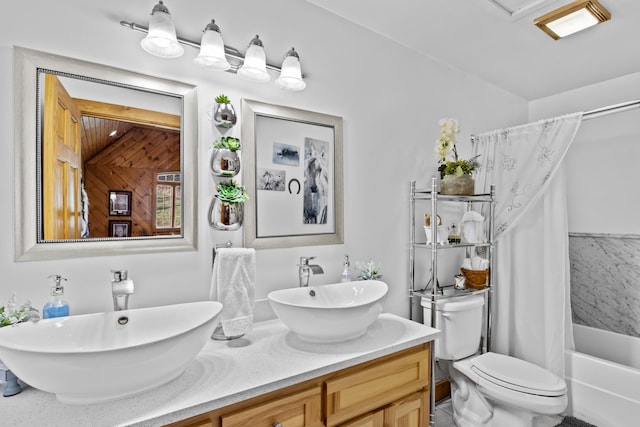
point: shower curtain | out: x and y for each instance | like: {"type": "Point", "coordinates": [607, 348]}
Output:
{"type": "Point", "coordinates": [531, 311]}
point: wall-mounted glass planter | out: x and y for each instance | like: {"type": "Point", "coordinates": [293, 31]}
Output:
{"type": "Point", "coordinates": [225, 216]}
{"type": "Point", "coordinates": [224, 116]}
{"type": "Point", "coordinates": [224, 162]}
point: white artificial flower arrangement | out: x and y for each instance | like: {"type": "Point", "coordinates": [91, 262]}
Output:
{"type": "Point", "coordinates": [446, 145]}
{"type": "Point", "coordinates": [11, 314]}
{"type": "Point", "coordinates": [369, 270]}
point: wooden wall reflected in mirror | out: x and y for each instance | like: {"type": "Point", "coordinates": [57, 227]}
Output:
{"type": "Point", "coordinates": [101, 129]}
{"type": "Point", "coordinates": [121, 147]}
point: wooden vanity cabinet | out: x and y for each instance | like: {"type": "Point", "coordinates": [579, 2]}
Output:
{"type": "Point", "coordinates": [386, 392]}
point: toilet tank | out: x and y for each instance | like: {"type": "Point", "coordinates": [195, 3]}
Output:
{"type": "Point", "coordinates": [460, 321]}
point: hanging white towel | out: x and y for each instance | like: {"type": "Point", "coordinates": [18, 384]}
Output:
{"type": "Point", "coordinates": [233, 284]}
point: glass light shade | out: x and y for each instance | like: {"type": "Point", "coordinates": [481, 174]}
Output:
{"type": "Point", "coordinates": [572, 23]}
{"type": "Point", "coordinates": [291, 76]}
{"type": "Point", "coordinates": [212, 50]}
{"type": "Point", "coordinates": [571, 18]}
{"type": "Point", "coordinates": [161, 40]}
{"type": "Point", "coordinates": [255, 63]}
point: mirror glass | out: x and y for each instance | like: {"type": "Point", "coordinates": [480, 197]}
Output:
{"type": "Point", "coordinates": [113, 154]}
{"type": "Point", "coordinates": [109, 166]}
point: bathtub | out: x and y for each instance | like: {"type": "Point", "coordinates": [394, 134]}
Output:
{"type": "Point", "coordinates": [603, 376]}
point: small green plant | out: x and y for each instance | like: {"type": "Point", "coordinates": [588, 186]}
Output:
{"type": "Point", "coordinates": [231, 192]}
{"type": "Point", "coordinates": [368, 271]}
{"type": "Point", "coordinates": [222, 99]}
{"type": "Point", "coordinates": [11, 314]}
{"type": "Point", "coordinates": [228, 142]}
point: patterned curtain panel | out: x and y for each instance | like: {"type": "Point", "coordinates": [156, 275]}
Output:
{"type": "Point", "coordinates": [520, 162]}
{"type": "Point", "coordinates": [530, 275]}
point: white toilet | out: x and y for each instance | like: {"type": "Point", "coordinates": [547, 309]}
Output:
{"type": "Point", "coordinates": [489, 389]}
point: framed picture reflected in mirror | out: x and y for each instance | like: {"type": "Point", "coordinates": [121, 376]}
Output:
{"type": "Point", "coordinates": [119, 203]}
{"type": "Point", "coordinates": [119, 228]}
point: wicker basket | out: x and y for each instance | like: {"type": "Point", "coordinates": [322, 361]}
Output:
{"type": "Point", "coordinates": [475, 279]}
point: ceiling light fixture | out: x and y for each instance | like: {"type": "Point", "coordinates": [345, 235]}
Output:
{"type": "Point", "coordinates": [572, 18]}
{"type": "Point", "coordinates": [162, 41]}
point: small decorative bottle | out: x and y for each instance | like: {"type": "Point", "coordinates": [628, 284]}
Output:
{"type": "Point", "coordinates": [346, 272]}
{"type": "Point", "coordinates": [56, 307]}
{"type": "Point", "coordinates": [454, 236]}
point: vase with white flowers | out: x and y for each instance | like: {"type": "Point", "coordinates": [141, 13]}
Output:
{"type": "Point", "coordinates": [455, 174]}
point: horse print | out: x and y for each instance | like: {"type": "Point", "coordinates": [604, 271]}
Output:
{"type": "Point", "coordinates": [316, 181]}
{"type": "Point", "coordinates": [285, 154]}
{"type": "Point", "coordinates": [271, 179]}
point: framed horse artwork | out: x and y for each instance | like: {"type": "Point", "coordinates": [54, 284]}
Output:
{"type": "Point", "coordinates": [293, 173]}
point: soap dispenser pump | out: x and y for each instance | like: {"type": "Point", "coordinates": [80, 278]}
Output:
{"type": "Point", "coordinates": [56, 307]}
{"type": "Point", "coordinates": [346, 272]}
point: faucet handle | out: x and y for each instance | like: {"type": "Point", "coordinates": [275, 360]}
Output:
{"type": "Point", "coordinates": [304, 260]}
{"type": "Point", "coordinates": [119, 275]}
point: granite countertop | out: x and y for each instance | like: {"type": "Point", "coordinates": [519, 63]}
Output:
{"type": "Point", "coordinates": [268, 358]}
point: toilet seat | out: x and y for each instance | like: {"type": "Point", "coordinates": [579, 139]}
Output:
{"type": "Point", "coordinates": [517, 375]}
{"type": "Point", "coordinates": [515, 382]}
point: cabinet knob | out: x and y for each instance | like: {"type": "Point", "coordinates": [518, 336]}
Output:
{"type": "Point", "coordinates": [277, 425]}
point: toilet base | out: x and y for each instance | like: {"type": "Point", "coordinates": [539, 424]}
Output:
{"type": "Point", "coordinates": [473, 409]}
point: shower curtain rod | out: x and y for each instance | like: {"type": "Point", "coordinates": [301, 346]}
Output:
{"type": "Point", "coordinates": [599, 112]}
{"type": "Point", "coordinates": [605, 111]}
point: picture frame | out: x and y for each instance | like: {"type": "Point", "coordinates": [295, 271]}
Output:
{"type": "Point", "coordinates": [119, 228]}
{"type": "Point", "coordinates": [119, 203]}
{"type": "Point", "coordinates": [286, 143]}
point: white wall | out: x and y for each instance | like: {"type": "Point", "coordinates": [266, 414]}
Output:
{"type": "Point", "coordinates": [602, 163]}
{"type": "Point", "coordinates": [390, 109]}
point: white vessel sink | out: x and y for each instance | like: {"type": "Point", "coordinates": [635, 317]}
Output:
{"type": "Point", "coordinates": [330, 313]}
{"type": "Point", "coordinates": [103, 356]}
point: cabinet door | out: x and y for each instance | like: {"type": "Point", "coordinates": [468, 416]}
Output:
{"type": "Point", "coordinates": [412, 411]}
{"type": "Point", "coordinates": [199, 423]}
{"type": "Point", "coordinates": [371, 420]}
{"type": "Point", "coordinates": [302, 409]}
{"type": "Point", "coordinates": [375, 385]}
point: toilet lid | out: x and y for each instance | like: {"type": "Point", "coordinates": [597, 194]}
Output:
{"type": "Point", "coordinates": [518, 375]}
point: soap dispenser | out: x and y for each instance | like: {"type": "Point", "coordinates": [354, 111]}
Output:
{"type": "Point", "coordinates": [56, 307]}
{"type": "Point", "coordinates": [346, 272]}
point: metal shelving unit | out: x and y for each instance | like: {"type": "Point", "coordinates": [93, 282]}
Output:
{"type": "Point", "coordinates": [433, 290]}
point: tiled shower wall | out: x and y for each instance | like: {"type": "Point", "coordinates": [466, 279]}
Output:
{"type": "Point", "coordinates": [605, 281]}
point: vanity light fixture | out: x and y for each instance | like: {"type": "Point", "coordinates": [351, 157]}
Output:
{"type": "Point", "coordinates": [162, 41]}
{"type": "Point", "coordinates": [291, 76]}
{"type": "Point", "coordinates": [212, 49]}
{"type": "Point", "coordinates": [255, 62]}
{"type": "Point", "coordinates": [572, 18]}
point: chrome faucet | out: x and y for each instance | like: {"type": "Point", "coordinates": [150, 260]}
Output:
{"type": "Point", "coordinates": [305, 270]}
{"type": "Point", "coordinates": [121, 288]}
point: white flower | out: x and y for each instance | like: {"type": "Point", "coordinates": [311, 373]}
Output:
{"type": "Point", "coordinates": [369, 270]}
{"type": "Point", "coordinates": [447, 140]}
{"type": "Point", "coordinates": [10, 315]}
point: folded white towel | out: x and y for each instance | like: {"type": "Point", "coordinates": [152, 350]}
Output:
{"type": "Point", "coordinates": [233, 284]}
{"type": "Point", "coordinates": [475, 263]}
